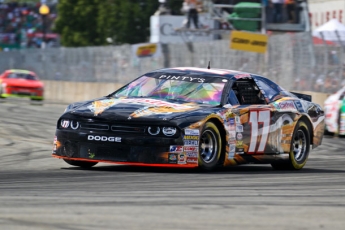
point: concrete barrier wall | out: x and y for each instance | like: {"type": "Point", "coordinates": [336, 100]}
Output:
{"type": "Point", "coordinates": [68, 92]}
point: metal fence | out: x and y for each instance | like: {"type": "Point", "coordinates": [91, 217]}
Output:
{"type": "Point", "coordinates": [292, 60]}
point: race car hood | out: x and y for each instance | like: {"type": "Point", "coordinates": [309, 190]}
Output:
{"type": "Point", "coordinates": [22, 83]}
{"type": "Point", "coordinates": [135, 108]}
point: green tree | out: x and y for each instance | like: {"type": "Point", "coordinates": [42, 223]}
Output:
{"type": "Point", "coordinates": [91, 22]}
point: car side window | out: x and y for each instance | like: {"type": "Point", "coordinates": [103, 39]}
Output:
{"type": "Point", "coordinates": [247, 92]}
{"type": "Point", "coordinates": [232, 99]}
{"type": "Point", "coordinates": [270, 92]}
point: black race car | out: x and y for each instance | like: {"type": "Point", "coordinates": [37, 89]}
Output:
{"type": "Point", "coordinates": [192, 117]}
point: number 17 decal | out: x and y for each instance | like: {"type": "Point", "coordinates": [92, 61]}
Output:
{"type": "Point", "coordinates": [256, 118]}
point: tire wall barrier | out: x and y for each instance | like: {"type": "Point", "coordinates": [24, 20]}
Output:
{"type": "Point", "coordinates": [68, 92]}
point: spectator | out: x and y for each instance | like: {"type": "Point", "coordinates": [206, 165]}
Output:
{"type": "Point", "coordinates": [193, 6]}
{"type": "Point", "coordinates": [268, 10]}
{"type": "Point", "coordinates": [278, 11]}
{"type": "Point", "coordinates": [291, 6]}
{"type": "Point", "coordinates": [21, 24]}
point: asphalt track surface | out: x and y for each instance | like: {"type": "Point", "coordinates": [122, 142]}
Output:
{"type": "Point", "coordinates": [40, 192]}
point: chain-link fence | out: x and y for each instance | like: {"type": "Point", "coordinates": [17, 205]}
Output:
{"type": "Point", "coordinates": [292, 60]}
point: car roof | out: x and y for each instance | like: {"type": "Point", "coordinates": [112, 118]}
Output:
{"type": "Point", "coordinates": [232, 74]}
{"type": "Point", "coordinates": [20, 71]}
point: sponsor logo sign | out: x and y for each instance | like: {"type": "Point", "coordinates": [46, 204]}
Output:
{"type": "Point", "coordinates": [239, 146]}
{"type": "Point", "coordinates": [232, 135]}
{"type": "Point", "coordinates": [191, 149]}
{"type": "Point", "coordinates": [299, 106]}
{"type": "Point", "coordinates": [192, 160]}
{"type": "Point", "coordinates": [103, 138]}
{"type": "Point", "coordinates": [231, 121]}
{"type": "Point", "coordinates": [191, 137]}
{"type": "Point", "coordinates": [192, 132]}
{"type": "Point", "coordinates": [183, 78]}
{"type": "Point", "coordinates": [64, 123]}
{"type": "Point", "coordinates": [232, 148]}
{"type": "Point", "coordinates": [239, 128]}
{"type": "Point", "coordinates": [287, 105]}
{"type": "Point", "coordinates": [239, 136]}
{"type": "Point", "coordinates": [146, 50]}
{"type": "Point", "coordinates": [182, 158]}
{"type": "Point", "coordinates": [247, 41]}
{"type": "Point", "coordinates": [172, 158]}
{"type": "Point", "coordinates": [237, 120]}
{"type": "Point", "coordinates": [192, 154]}
{"type": "Point", "coordinates": [191, 143]}
{"type": "Point", "coordinates": [176, 148]}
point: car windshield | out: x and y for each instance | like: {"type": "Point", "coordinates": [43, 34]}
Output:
{"type": "Point", "coordinates": [21, 76]}
{"type": "Point", "coordinates": [196, 89]}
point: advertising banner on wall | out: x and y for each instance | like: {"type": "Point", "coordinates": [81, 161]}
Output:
{"type": "Point", "coordinates": [143, 50]}
{"type": "Point", "coordinates": [247, 41]}
{"type": "Point", "coordinates": [171, 29]}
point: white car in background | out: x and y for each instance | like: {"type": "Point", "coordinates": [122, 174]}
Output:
{"type": "Point", "coordinates": [335, 113]}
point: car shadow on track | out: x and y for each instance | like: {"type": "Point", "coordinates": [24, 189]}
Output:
{"type": "Point", "coordinates": [242, 169]}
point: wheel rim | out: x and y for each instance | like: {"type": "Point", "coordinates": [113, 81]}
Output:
{"type": "Point", "coordinates": [208, 146]}
{"type": "Point", "coordinates": [299, 145]}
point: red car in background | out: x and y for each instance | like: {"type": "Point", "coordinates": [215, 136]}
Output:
{"type": "Point", "coordinates": [21, 83]}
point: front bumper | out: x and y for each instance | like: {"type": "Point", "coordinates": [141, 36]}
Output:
{"type": "Point", "coordinates": [126, 149]}
{"type": "Point", "coordinates": [34, 97]}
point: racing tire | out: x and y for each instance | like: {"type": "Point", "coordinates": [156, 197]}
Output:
{"type": "Point", "coordinates": [299, 150]}
{"type": "Point", "coordinates": [82, 164]}
{"type": "Point", "coordinates": [210, 147]}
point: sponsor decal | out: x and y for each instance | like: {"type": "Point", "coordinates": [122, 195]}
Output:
{"type": "Point", "coordinates": [91, 155]}
{"type": "Point", "coordinates": [239, 128]}
{"type": "Point", "coordinates": [191, 137]}
{"type": "Point", "coordinates": [192, 154]}
{"type": "Point", "coordinates": [231, 121]}
{"type": "Point", "coordinates": [103, 138]}
{"type": "Point", "coordinates": [231, 155]}
{"type": "Point", "coordinates": [192, 160]}
{"type": "Point", "coordinates": [299, 106]}
{"type": "Point", "coordinates": [287, 105]}
{"type": "Point", "coordinates": [239, 136]}
{"type": "Point", "coordinates": [243, 75]}
{"type": "Point", "coordinates": [191, 149]}
{"type": "Point", "coordinates": [181, 158]}
{"type": "Point", "coordinates": [232, 135]}
{"type": "Point", "coordinates": [176, 148]}
{"type": "Point", "coordinates": [191, 143]}
{"type": "Point", "coordinates": [239, 146]}
{"type": "Point", "coordinates": [64, 123]}
{"type": "Point", "coordinates": [237, 120]}
{"type": "Point", "coordinates": [169, 131]}
{"type": "Point", "coordinates": [172, 158]}
{"type": "Point", "coordinates": [183, 78]}
{"type": "Point", "coordinates": [192, 132]}
{"type": "Point", "coordinates": [232, 148]}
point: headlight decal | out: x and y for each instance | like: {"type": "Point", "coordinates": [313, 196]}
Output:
{"type": "Point", "coordinates": [153, 130]}
{"type": "Point", "coordinates": [64, 123]}
{"type": "Point", "coordinates": [169, 131]}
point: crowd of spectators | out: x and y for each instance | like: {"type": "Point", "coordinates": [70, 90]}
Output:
{"type": "Point", "coordinates": [21, 25]}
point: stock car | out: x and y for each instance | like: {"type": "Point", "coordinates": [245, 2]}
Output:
{"type": "Point", "coordinates": [21, 83]}
{"type": "Point", "coordinates": [334, 107]}
{"type": "Point", "coordinates": [192, 117]}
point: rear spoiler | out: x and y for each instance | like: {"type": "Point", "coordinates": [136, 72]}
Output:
{"type": "Point", "coordinates": [302, 96]}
